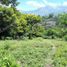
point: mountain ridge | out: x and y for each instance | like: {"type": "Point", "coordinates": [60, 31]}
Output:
{"type": "Point", "coordinates": [47, 10]}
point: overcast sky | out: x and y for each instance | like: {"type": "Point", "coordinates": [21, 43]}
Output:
{"type": "Point", "coordinates": [28, 5]}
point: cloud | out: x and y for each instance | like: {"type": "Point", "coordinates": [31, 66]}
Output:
{"type": "Point", "coordinates": [54, 5]}
{"type": "Point", "coordinates": [20, 9]}
{"type": "Point", "coordinates": [44, 3]}
{"type": "Point", "coordinates": [65, 4]}
{"type": "Point", "coordinates": [35, 4]}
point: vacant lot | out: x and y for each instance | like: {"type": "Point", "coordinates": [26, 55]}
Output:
{"type": "Point", "coordinates": [36, 53]}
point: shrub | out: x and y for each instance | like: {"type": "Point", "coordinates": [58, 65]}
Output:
{"type": "Point", "coordinates": [8, 38]}
{"type": "Point", "coordinates": [6, 46]}
{"type": "Point", "coordinates": [65, 37]}
{"type": "Point", "coordinates": [46, 37]}
{"type": "Point", "coordinates": [7, 60]}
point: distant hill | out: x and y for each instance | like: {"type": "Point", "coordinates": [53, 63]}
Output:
{"type": "Point", "coordinates": [47, 10]}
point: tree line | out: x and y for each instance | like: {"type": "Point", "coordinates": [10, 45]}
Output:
{"type": "Point", "coordinates": [16, 25]}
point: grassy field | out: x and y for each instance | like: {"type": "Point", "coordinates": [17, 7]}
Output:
{"type": "Point", "coordinates": [35, 53]}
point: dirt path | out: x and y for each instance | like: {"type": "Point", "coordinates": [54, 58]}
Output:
{"type": "Point", "coordinates": [49, 57]}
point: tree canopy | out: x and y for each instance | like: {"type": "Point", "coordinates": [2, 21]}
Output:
{"type": "Point", "coordinates": [13, 3]}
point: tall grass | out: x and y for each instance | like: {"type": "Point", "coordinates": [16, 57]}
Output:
{"type": "Point", "coordinates": [34, 53]}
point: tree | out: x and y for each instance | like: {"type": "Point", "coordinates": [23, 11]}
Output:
{"type": "Point", "coordinates": [21, 27]}
{"type": "Point", "coordinates": [31, 21]}
{"type": "Point", "coordinates": [50, 16]}
{"type": "Point", "coordinates": [7, 19]}
{"type": "Point", "coordinates": [62, 20]}
{"type": "Point", "coordinates": [38, 30]}
{"type": "Point", "coordinates": [13, 3]}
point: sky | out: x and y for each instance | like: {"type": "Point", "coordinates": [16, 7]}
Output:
{"type": "Point", "coordinates": [30, 5]}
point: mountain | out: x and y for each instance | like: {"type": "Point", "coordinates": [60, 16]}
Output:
{"type": "Point", "coordinates": [47, 10]}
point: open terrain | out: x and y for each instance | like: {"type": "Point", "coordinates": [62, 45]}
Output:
{"type": "Point", "coordinates": [36, 52]}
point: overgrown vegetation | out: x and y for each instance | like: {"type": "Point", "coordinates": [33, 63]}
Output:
{"type": "Point", "coordinates": [33, 53]}
{"type": "Point", "coordinates": [16, 30]}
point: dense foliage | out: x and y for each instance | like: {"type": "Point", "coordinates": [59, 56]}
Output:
{"type": "Point", "coordinates": [13, 3]}
{"type": "Point", "coordinates": [15, 25]}
{"type": "Point", "coordinates": [37, 52]}
{"type": "Point", "coordinates": [6, 58]}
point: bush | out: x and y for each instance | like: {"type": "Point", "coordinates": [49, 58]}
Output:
{"type": "Point", "coordinates": [6, 46]}
{"type": "Point", "coordinates": [2, 37]}
{"type": "Point", "coordinates": [53, 37]}
{"type": "Point", "coordinates": [65, 37]}
{"type": "Point", "coordinates": [46, 37]}
{"type": "Point", "coordinates": [8, 38]}
{"type": "Point", "coordinates": [7, 60]}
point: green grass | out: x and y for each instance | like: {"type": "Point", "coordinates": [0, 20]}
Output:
{"type": "Point", "coordinates": [37, 52]}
